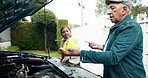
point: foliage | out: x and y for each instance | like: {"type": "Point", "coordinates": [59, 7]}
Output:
{"type": "Point", "coordinates": [137, 8]}
{"type": "Point", "coordinates": [61, 23]}
{"type": "Point", "coordinates": [9, 48]}
{"type": "Point", "coordinates": [76, 26]}
{"type": "Point", "coordinates": [101, 7]}
{"type": "Point", "coordinates": [73, 26]}
{"type": "Point", "coordinates": [2, 48]}
{"type": "Point", "coordinates": [27, 36]}
{"type": "Point", "coordinates": [42, 52]}
{"type": "Point", "coordinates": [30, 36]}
{"type": "Point", "coordinates": [47, 18]}
{"type": "Point", "coordinates": [12, 48]}
{"type": "Point", "coordinates": [52, 35]}
{"type": "Point", "coordinates": [43, 16]}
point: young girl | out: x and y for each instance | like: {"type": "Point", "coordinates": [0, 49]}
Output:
{"type": "Point", "coordinates": [68, 42]}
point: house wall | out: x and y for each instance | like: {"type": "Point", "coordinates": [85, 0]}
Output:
{"type": "Point", "coordinates": [5, 35]}
{"type": "Point", "coordinates": [144, 25]}
{"type": "Point", "coordinates": [5, 38]}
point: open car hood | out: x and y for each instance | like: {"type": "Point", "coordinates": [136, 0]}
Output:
{"type": "Point", "coordinates": [11, 11]}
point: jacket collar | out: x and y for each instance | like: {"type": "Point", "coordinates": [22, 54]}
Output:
{"type": "Point", "coordinates": [121, 22]}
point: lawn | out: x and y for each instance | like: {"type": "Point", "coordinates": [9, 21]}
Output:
{"type": "Point", "coordinates": [40, 52]}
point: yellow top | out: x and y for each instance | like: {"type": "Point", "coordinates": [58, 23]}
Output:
{"type": "Point", "coordinates": [69, 43]}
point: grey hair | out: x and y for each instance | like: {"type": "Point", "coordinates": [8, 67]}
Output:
{"type": "Point", "coordinates": [128, 9]}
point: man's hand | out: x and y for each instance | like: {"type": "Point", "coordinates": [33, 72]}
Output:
{"type": "Point", "coordinates": [72, 52]}
{"type": "Point", "coordinates": [95, 46]}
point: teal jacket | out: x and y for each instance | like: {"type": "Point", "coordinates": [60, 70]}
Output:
{"type": "Point", "coordinates": [123, 55]}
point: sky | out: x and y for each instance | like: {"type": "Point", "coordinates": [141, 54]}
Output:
{"type": "Point", "coordinates": [70, 10]}
{"type": "Point", "coordinates": [144, 2]}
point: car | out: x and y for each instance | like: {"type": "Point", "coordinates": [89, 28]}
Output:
{"type": "Point", "coordinates": [28, 65]}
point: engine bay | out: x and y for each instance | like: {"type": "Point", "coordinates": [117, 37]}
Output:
{"type": "Point", "coordinates": [28, 65]}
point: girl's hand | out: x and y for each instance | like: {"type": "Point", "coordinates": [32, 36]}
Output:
{"type": "Point", "coordinates": [66, 58]}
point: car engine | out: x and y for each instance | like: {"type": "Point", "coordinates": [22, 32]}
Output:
{"type": "Point", "coordinates": [27, 65]}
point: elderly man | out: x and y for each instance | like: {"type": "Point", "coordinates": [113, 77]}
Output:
{"type": "Point", "coordinates": [122, 52]}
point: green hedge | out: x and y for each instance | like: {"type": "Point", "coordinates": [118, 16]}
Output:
{"type": "Point", "coordinates": [61, 23]}
{"type": "Point", "coordinates": [9, 48]}
{"type": "Point", "coordinates": [30, 36]}
{"type": "Point", "coordinates": [52, 35]}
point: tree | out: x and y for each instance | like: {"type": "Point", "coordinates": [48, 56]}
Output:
{"type": "Point", "coordinates": [137, 8]}
{"type": "Point", "coordinates": [101, 7]}
{"type": "Point", "coordinates": [39, 17]}
{"type": "Point", "coordinates": [44, 17]}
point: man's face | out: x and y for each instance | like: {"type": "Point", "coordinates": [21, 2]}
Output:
{"type": "Point", "coordinates": [116, 12]}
